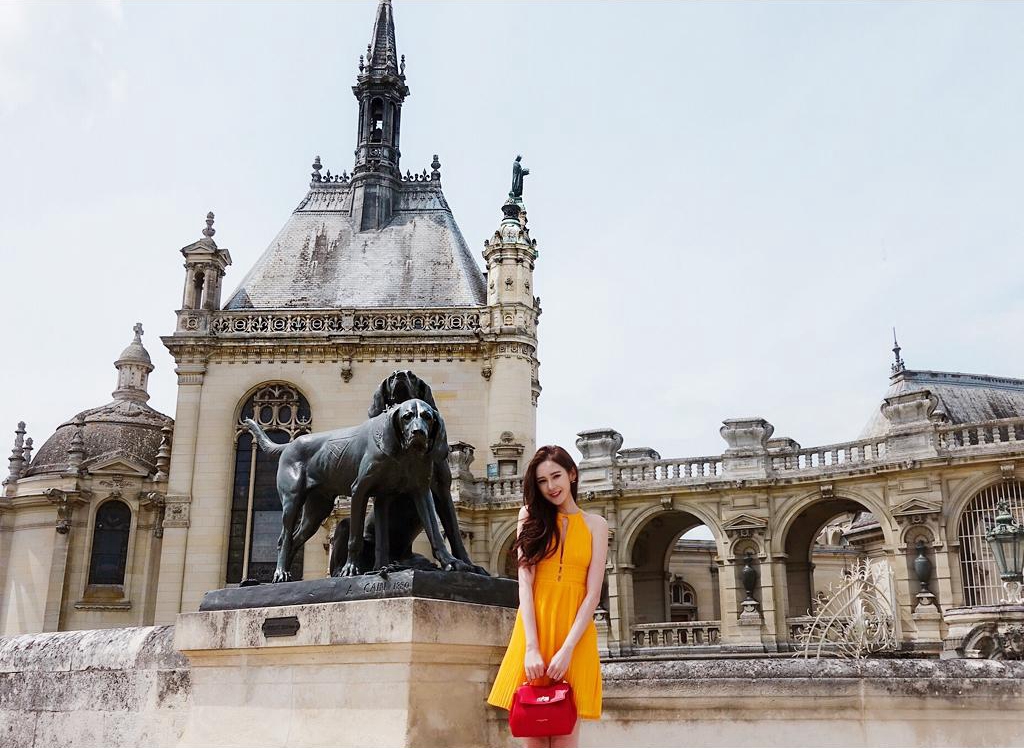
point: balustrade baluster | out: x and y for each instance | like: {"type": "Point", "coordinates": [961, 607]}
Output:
{"type": "Point", "coordinates": [996, 437]}
{"type": "Point", "coordinates": [1011, 433]}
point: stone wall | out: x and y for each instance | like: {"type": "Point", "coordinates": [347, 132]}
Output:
{"type": "Point", "coordinates": [112, 687]}
{"type": "Point", "coordinates": [795, 702]}
{"type": "Point", "coordinates": [130, 687]}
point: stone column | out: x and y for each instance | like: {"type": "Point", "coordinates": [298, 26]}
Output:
{"type": "Point", "coordinates": [210, 288]}
{"type": "Point", "coordinates": [65, 503]}
{"type": "Point", "coordinates": [179, 493]}
{"type": "Point", "coordinates": [620, 609]}
{"type": "Point", "coordinates": [769, 604]}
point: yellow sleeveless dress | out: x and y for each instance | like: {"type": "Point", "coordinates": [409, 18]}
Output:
{"type": "Point", "coordinates": [559, 586]}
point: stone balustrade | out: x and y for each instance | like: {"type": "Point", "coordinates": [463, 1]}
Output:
{"type": "Point", "coordinates": [679, 469]}
{"type": "Point", "coordinates": [678, 634]}
{"type": "Point", "coordinates": [502, 489]}
{"type": "Point", "coordinates": [843, 455]}
{"type": "Point", "coordinates": [1005, 431]}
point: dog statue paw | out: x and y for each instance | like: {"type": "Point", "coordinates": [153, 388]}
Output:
{"type": "Point", "coordinates": [459, 565]}
{"type": "Point", "coordinates": [280, 575]}
{"type": "Point", "coordinates": [349, 570]}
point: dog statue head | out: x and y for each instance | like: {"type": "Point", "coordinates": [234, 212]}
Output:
{"type": "Point", "coordinates": [414, 426]}
{"type": "Point", "coordinates": [397, 388]}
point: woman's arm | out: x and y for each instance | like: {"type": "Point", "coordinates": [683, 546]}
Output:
{"type": "Point", "coordinates": [559, 664]}
{"type": "Point", "coordinates": [534, 662]}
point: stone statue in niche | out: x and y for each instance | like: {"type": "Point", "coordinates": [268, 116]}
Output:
{"type": "Point", "coordinates": [518, 174]}
{"type": "Point", "coordinates": [399, 456]}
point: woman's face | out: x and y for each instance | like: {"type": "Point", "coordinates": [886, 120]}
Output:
{"type": "Point", "coordinates": [553, 481]}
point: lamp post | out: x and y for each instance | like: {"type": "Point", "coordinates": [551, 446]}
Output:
{"type": "Point", "coordinates": [1006, 540]}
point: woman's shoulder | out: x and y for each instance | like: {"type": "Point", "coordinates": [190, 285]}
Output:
{"type": "Point", "coordinates": [594, 521]}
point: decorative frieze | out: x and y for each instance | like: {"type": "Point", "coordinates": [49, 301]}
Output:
{"type": "Point", "coordinates": [328, 322]}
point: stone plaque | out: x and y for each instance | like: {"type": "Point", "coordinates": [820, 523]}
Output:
{"type": "Point", "coordinates": [281, 626]}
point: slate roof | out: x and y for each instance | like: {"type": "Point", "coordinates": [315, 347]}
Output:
{"type": "Point", "coordinates": [320, 260]}
{"type": "Point", "coordinates": [122, 428]}
{"type": "Point", "coordinates": [963, 398]}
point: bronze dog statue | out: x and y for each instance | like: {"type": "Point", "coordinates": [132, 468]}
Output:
{"type": "Point", "coordinates": [390, 457]}
{"type": "Point", "coordinates": [397, 388]}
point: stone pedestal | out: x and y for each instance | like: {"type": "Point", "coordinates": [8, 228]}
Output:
{"type": "Point", "coordinates": [392, 672]}
{"type": "Point", "coordinates": [748, 633]}
{"type": "Point", "coordinates": [928, 624]}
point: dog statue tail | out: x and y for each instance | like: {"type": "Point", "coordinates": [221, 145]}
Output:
{"type": "Point", "coordinates": [266, 445]}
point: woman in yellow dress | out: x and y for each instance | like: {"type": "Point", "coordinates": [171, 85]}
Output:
{"type": "Point", "coordinates": [561, 552]}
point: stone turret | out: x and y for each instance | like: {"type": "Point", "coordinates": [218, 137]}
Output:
{"type": "Point", "coordinates": [133, 368]}
{"type": "Point", "coordinates": [205, 265]}
{"type": "Point", "coordinates": [514, 311]}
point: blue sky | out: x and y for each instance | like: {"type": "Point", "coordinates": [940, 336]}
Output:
{"type": "Point", "coordinates": [734, 202]}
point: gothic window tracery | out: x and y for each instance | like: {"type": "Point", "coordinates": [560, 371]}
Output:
{"type": "Point", "coordinates": [284, 414]}
{"type": "Point", "coordinates": [979, 575]}
{"type": "Point", "coordinates": [110, 543]}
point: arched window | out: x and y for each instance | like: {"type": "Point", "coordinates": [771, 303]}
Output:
{"type": "Point", "coordinates": [376, 120]}
{"type": "Point", "coordinates": [110, 543]}
{"type": "Point", "coordinates": [283, 413]}
{"type": "Point", "coordinates": [981, 582]}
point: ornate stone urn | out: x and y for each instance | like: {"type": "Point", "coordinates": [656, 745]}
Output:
{"type": "Point", "coordinates": [599, 444]}
{"type": "Point", "coordinates": [746, 434]}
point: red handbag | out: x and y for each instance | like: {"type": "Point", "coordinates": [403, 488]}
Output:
{"type": "Point", "coordinates": [542, 711]}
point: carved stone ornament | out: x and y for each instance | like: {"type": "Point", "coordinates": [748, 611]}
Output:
{"type": "Point", "coordinates": [176, 514]}
{"type": "Point", "coordinates": [746, 434]}
{"type": "Point", "coordinates": [1009, 644]}
{"type": "Point", "coordinates": [917, 512]}
{"type": "Point", "coordinates": [65, 503]}
{"type": "Point", "coordinates": [156, 502]}
{"type": "Point", "coordinates": [910, 409]}
{"type": "Point", "coordinates": [746, 526]}
{"type": "Point", "coordinates": [599, 444]}
{"type": "Point", "coordinates": [460, 457]}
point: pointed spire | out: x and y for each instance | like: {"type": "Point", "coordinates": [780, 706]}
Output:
{"type": "Point", "coordinates": [382, 52]}
{"type": "Point", "coordinates": [76, 449]}
{"type": "Point", "coordinates": [17, 458]}
{"type": "Point", "coordinates": [898, 367]}
{"type": "Point", "coordinates": [163, 454]}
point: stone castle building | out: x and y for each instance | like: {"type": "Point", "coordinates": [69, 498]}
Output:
{"type": "Point", "coordinates": [125, 517]}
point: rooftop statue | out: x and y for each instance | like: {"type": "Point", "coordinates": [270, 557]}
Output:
{"type": "Point", "coordinates": [399, 457]}
{"type": "Point", "coordinates": [519, 172]}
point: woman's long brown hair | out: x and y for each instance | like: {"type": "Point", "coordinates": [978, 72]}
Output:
{"type": "Point", "coordinates": [538, 538]}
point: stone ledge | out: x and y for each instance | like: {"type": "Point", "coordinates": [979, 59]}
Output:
{"type": "Point", "coordinates": [799, 668]}
{"type": "Point", "coordinates": [405, 620]}
{"type": "Point", "coordinates": [135, 648]}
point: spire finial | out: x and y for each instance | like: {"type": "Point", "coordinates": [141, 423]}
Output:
{"type": "Point", "coordinates": [401, 67]}
{"type": "Point", "coordinates": [76, 449]}
{"type": "Point", "coordinates": [435, 166]}
{"type": "Point", "coordinates": [898, 367]}
{"type": "Point", "coordinates": [137, 329]}
{"type": "Point", "coordinates": [209, 231]}
{"type": "Point", "coordinates": [317, 166]}
{"type": "Point", "coordinates": [17, 458]}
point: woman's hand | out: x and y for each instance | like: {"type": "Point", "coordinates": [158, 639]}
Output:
{"type": "Point", "coordinates": [559, 664]}
{"type": "Point", "coordinates": [534, 663]}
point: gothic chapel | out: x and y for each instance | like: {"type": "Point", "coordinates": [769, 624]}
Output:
{"type": "Point", "coordinates": [369, 274]}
